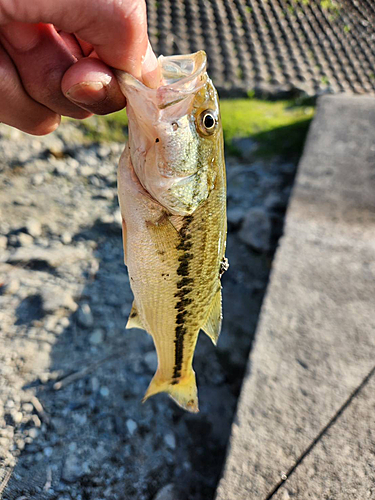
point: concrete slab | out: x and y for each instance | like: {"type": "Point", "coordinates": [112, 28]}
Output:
{"type": "Point", "coordinates": [342, 464]}
{"type": "Point", "coordinates": [315, 342]}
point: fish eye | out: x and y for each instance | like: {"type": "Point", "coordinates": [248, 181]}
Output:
{"type": "Point", "coordinates": [208, 122]}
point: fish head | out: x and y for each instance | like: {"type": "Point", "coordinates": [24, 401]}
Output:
{"type": "Point", "coordinates": [175, 133]}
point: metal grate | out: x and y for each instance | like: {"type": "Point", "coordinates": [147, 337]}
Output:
{"type": "Point", "coordinates": [273, 46]}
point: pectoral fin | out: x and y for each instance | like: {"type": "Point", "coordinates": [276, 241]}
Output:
{"type": "Point", "coordinates": [164, 235]}
{"type": "Point", "coordinates": [134, 320]}
{"type": "Point", "coordinates": [212, 326]}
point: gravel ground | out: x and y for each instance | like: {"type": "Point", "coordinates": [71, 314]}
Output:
{"type": "Point", "coordinates": [72, 425]}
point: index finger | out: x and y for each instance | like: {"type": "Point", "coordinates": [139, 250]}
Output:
{"type": "Point", "coordinates": [116, 28]}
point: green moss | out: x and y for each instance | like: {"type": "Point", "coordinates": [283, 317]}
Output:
{"type": "Point", "coordinates": [113, 127]}
{"type": "Point", "coordinates": [286, 141]}
{"type": "Point", "coordinates": [328, 5]}
{"type": "Point", "coordinates": [278, 126]}
{"type": "Point", "coordinates": [109, 128]}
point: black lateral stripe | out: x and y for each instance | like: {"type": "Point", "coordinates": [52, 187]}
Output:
{"type": "Point", "coordinates": [183, 289]}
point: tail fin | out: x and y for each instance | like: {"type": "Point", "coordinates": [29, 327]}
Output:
{"type": "Point", "coordinates": [184, 392]}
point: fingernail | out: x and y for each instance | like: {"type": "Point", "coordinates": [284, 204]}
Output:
{"type": "Point", "coordinates": [150, 68]}
{"type": "Point", "coordinates": [87, 93]}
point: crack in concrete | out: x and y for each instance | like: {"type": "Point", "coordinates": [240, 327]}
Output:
{"type": "Point", "coordinates": [316, 440]}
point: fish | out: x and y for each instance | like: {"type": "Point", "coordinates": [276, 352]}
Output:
{"type": "Point", "coordinates": [172, 196]}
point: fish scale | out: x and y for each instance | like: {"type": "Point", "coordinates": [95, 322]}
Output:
{"type": "Point", "coordinates": [174, 259]}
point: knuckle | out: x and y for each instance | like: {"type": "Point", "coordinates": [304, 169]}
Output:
{"type": "Point", "coordinates": [43, 127]}
{"type": "Point", "coordinates": [7, 10]}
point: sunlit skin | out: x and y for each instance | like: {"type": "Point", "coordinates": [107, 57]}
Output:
{"type": "Point", "coordinates": [56, 58]}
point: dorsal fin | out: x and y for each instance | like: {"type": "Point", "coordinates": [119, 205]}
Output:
{"type": "Point", "coordinates": [212, 326]}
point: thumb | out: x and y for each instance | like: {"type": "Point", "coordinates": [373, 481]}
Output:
{"type": "Point", "coordinates": [117, 29]}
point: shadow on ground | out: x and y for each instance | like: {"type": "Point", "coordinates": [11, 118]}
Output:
{"type": "Point", "coordinates": [96, 439]}
{"type": "Point", "coordinates": [93, 438]}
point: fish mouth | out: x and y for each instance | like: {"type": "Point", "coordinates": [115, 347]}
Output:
{"type": "Point", "coordinates": [181, 76]}
{"type": "Point", "coordinates": [181, 72]}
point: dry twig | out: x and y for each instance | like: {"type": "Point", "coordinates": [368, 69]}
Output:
{"type": "Point", "coordinates": [73, 377]}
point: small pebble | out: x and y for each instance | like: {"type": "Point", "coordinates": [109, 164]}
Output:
{"type": "Point", "coordinates": [107, 194]}
{"type": "Point", "coordinates": [36, 420]}
{"type": "Point", "coordinates": [85, 170]}
{"type": "Point", "coordinates": [59, 426]}
{"type": "Point", "coordinates": [25, 240]}
{"type": "Point", "coordinates": [234, 217]}
{"type": "Point", "coordinates": [33, 433]}
{"type": "Point", "coordinates": [54, 299]}
{"type": "Point", "coordinates": [59, 329]}
{"type": "Point", "coordinates": [96, 337]}
{"type": "Point", "coordinates": [103, 151]}
{"type": "Point", "coordinates": [37, 179]}
{"type": "Point", "coordinates": [72, 446]}
{"type": "Point", "coordinates": [27, 407]}
{"type": "Point", "coordinates": [11, 287]}
{"type": "Point", "coordinates": [72, 469]}
{"type": "Point", "coordinates": [50, 323]}
{"type": "Point", "coordinates": [95, 181]}
{"type": "Point", "coordinates": [151, 360]}
{"type": "Point", "coordinates": [132, 426]}
{"type": "Point", "coordinates": [66, 238]}
{"type": "Point", "coordinates": [48, 451]}
{"type": "Point", "coordinates": [106, 219]}
{"type": "Point", "coordinates": [168, 492]}
{"type": "Point", "coordinates": [256, 229]}
{"type": "Point", "coordinates": [117, 217]}
{"type": "Point", "coordinates": [64, 322]}
{"type": "Point", "coordinates": [104, 391]}
{"type": "Point", "coordinates": [34, 227]}
{"type": "Point", "coordinates": [20, 443]}
{"type": "Point", "coordinates": [84, 316]}
{"type": "Point", "coordinates": [72, 163]}
{"type": "Point", "coordinates": [17, 417]}
{"type": "Point", "coordinates": [95, 384]}
{"type": "Point", "coordinates": [170, 441]}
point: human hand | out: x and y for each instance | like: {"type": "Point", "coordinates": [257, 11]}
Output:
{"type": "Point", "coordinates": [55, 58]}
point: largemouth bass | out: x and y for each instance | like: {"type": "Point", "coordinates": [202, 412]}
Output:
{"type": "Point", "coordinates": [172, 194]}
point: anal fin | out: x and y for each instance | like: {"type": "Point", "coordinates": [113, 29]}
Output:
{"type": "Point", "coordinates": [134, 320]}
{"type": "Point", "coordinates": [212, 326]}
{"type": "Point", "coordinates": [183, 391]}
